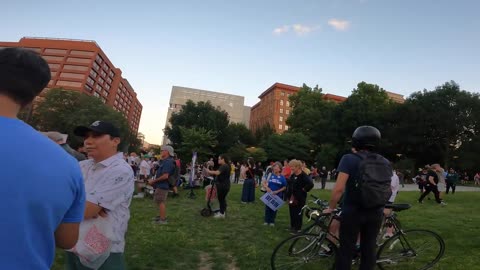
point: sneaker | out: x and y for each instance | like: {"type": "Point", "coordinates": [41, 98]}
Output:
{"type": "Point", "coordinates": [244, 202]}
{"type": "Point", "coordinates": [219, 215]}
{"type": "Point", "coordinates": [443, 203]}
{"type": "Point", "coordinates": [272, 224]}
{"type": "Point", "coordinates": [265, 223]}
{"type": "Point", "coordinates": [161, 222]}
{"type": "Point", "coordinates": [296, 232]}
{"type": "Point", "coordinates": [156, 218]}
{"type": "Point", "coordinates": [139, 196]}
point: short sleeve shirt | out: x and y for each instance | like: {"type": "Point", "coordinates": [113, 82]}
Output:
{"type": "Point", "coordinates": [349, 165]}
{"type": "Point", "coordinates": [276, 182]}
{"type": "Point", "coordinates": [224, 176]}
{"type": "Point", "coordinates": [110, 184]}
{"type": "Point", "coordinates": [165, 166]}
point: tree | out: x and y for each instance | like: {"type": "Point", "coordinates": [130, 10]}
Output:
{"type": "Point", "coordinates": [327, 156]}
{"type": "Point", "coordinates": [237, 133]}
{"type": "Point", "coordinates": [433, 126]}
{"type": "Point", "coordinates": [288, 145]}
{"type": "Point", "coordinates": [201, 115]}
{"type": "Point", "coordinates": [263, 133]}
{"type": "Point", "coordinates": [257, 153]}
{"type": "Point", "coordinates": [63, 110]}
{"type": "Point", "coordinates": [237, 152]}
{"type": "Point", "coordinates": [312, 114]}
{"type": "Point", "coordinates": [197, 140]}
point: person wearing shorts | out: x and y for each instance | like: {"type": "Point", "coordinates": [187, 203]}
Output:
{"type": "Point", "coordinates": [165, 169]}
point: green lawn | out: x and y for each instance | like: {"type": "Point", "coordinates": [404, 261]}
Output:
{"type": "Point", "coordinates": [240, 241]}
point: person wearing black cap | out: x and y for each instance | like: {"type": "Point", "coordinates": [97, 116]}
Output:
{"type": "Point", "coordinates": [109, 184]}
{"type": "Point", "coordinates": [358, 215]}
{"type": "Point", "coordinates": [42, 193]}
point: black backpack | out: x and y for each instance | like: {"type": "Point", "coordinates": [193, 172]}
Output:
{"type": "Point", "coordinates": [373, 180]}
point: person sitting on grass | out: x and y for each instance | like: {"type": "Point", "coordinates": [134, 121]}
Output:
{"type": "Point", "coordinates": [276, 184]}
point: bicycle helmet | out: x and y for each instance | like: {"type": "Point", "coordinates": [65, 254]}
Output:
{"type": "Point", "coordinates": [366, 137]}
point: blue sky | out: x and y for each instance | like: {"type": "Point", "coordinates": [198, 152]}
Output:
{"type": "Point", "coordinates": [243, 47]}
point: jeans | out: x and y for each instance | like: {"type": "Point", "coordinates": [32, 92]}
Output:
{"type": "Point", "coordinates": [222, 191]}
{"type": "Point", "coordinates": [270, 215]}
{"type": "Point", "coordinates": [450, 185]}
{"type": "Point", "coordinates": [355, 221]}
{"type": "Point", "coordinates": [429, 189]}
{"type": "Point", "coordinates": [248, 192]}
{"type": "Point", "coordinates": [324, 182]}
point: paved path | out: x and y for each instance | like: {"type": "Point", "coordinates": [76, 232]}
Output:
{"type": "Point", "coordinates": [408, 187]}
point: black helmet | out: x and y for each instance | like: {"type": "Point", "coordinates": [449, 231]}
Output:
{"type": "Point", "coordinates": [366, 137]}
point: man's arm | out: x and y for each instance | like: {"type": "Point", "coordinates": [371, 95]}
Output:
{"type": "Point", "coordinates": [430, 179]}
{"type": "Point", "coordinates": [338, 190]}
{"type": "Point", "coordinates": [213, 172]}
{"type": "Point", "coordinates": [93, 210]}
{"type": "Point", "coordinates": [66, 235]}
{"type": "Point", "coordinates": [162, 177]}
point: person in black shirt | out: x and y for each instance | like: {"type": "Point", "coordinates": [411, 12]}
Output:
{"type": "Point", "coordinates": [298, 186]}
{"type": "Point", "coordinates": [222, 184]}
{"type": "Point", "coordinates": [323, 176]}
{"type": "Point", "coordinates": [431, 184]}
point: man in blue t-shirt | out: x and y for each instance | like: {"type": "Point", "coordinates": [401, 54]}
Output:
{"type": "Point", "coordinates": [165, 170]}
{"type": "Point", "coordinates": [42, 195]}
{"type": "Point", "coordinates": [356, 220]}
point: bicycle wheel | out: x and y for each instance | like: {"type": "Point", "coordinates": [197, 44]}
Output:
{"type": "Point", "coordinates": [305, 251]}
{"type": "Point", "coordinates": [411, 250]}
{"type": "Point", "coordinates": [313, 229]}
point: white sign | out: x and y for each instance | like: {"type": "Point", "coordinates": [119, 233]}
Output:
{"type": "Point", "coordinates": [272, 201]}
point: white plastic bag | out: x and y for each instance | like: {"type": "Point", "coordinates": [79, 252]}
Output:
{"type": "Point", "coordinates": [94, 242]}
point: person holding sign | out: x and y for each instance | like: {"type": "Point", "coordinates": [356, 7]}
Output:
{"type": "Point", "coordinates": [274, 183]}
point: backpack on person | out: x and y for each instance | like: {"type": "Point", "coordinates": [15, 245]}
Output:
{"type": "Point", "coordinates": [172, 179]}
{"type": "Point", "coordinates": [372, 182]}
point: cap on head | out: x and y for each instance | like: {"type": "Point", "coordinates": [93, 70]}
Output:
{"type": "Point", "coordinates": [169, 149]}
{"type": "Point", "coordinates": [366, 137]}
{"type": "Point", "coordinates": [101, 127]}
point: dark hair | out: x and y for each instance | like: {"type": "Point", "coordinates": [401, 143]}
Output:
{"type": "Point", "coordinates": [225, 158]}
{"type": "Point", "coordinates": [23, 74]}
{"type": "Point", "coordinates": [366, 138]}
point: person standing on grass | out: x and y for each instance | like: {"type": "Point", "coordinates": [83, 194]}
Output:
{"type": "Point", "coordinates": [451, 180]}
{"type": "Point", "coordinates": [476, 178]}
{"type": "Point", "coordinates": [248, 191]}
{"type": "Point", "coordinates": [42, 192]}
{"type": "Point", "coordinates": [286, 171]}
{"type": "Point", "coordinates": [145, 169]}
{"type": "Point", "coordinates": [276, 184]}
{"type": "Point", "coordinates": [356, 218]}
{"type": "Point", "coordinates": [298, 186]}
{"type": "Point", "coordinates": [432, 184]}
{"type": "Point", "coordinates": [109, 185]}
{"type": "Point", "coordinates": [323, 174]}
{"type": "Point", "coordinates": [223, 184]}
{"type": "Point", "coordinates": [237, 172]}
{"type": "Point", "coordinates": [166, 169]}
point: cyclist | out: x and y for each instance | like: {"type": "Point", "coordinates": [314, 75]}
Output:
{"type": "Point", "coordinates": [356, 220]}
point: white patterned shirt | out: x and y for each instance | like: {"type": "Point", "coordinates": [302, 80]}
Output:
{"type": "Point", "coordinates": [110, 184]}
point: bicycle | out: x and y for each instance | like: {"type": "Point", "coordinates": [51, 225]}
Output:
{"type": "Point", "coordinates": [406, 249]}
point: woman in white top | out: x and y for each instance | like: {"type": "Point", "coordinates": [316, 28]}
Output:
{"type": "Point", "coordinates": [395, 186]}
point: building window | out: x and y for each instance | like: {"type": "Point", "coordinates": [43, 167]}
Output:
{"type": "Point", "coordinates": [71, 75]}
{"type": "Point", "coordinates": [55, 51]}
{"type": "Point", "coordinates": [286, 127]}
{"type": "Point", "coordinates": [105, 93]}
{"type": "Point", "coordinates": [88, 88]}
{"type": "Point", "coordinates": [98, 87]}
{"type": "Point", "coordinates": [287, 112]}
{"type": "Point", "coordinates": [69, 84]}
{"type": "Point", "coordinates": [54, 65]}
{"type": "Point", "coordinates": [109, 80]}
{"type": "Point", "coordinates": [53, 58]}
{"type": "Point", "coordinates": [96, 94]}
{"type": "Point", "coordinates": [111, 74]}
{"type": "Point", "coordinates": [96, 66]}
{"type": "Point", "coordinates": [93, 73]}
{"type": "Point", "coordinates": [281, 110]}
{"type": "Point", "coordinates": [101, 80]}
{"type": "Point", "coordinates": [282, 94]}
{"type": "Point", "coordinates": [99, 59]}
{"type": "Point", "coordinates": [103, 73]}
{"type": "Point", "coordinates": [281, 102]}
{"type": "Point", "coordinates": [281, 119]}
{"type": "Point", "coordinates": [280, 126]}
{"type": "Point", "coordinates": [288, 103]}
{"type": "Point", "coordinates": [116, 103]}
{"type": "Point", "coordinates": [104, 100]}
{"type": "Point", "coordinates": [90, 81]}
{"type": "Point", "coordinates": [107, 86]}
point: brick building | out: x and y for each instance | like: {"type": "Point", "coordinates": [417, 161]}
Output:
{"type": "Point", "coordinates": [81, 65]}
{"type": "Point", "coordinates": [274, 107]}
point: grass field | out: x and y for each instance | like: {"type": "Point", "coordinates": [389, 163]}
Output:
{"type": "Point", "coordinates": [241, 241]}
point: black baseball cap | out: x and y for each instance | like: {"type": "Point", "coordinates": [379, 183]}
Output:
{"type": "Point", "coordinates": [101, 127]}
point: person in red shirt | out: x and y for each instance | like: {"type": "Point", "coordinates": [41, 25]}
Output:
{"type": "Point", "coordinates": [286, 171]}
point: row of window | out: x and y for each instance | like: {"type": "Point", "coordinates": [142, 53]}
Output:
{"type": "Point", "coordinates": [283, 94]}
{"type": "Point", "coordinates": [287, 112]}
{"type": "Point", "coordinates": [281, 103]}
{"type": "Point", "coordinates": [281, 127]}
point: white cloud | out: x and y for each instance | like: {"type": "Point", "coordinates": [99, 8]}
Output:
{"type": "Point", "coordinates": [281, 30]}
{"type": "Point", "coordinates": [299, 29]}
{"type": "Point", "coordinates": [340, 25]}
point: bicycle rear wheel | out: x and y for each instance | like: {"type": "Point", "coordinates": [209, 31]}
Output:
{"type": "Point", "coordinates": [411, 250]}
{"type": "Point", "coordinates": [305, 251]}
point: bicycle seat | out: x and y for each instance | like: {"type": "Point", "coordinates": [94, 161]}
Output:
{"type": "Point", "coordinates": [398, 206]}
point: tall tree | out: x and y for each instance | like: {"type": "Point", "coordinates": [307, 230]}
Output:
{"type": "Point", "coordinates": [263, 133]}
{"type": "Point", "coordinates": [197, 140]}
{"type": "Point", "coordinates": [287, 146]}
{"type": "Point", "coordinates": [311, 114]}
{"type": "Point", "coordinates": [63, 110]}
{"type": "Point", "coordinates": [199, 115]}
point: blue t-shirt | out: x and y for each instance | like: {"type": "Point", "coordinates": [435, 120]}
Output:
{"type": "Point", "coordinates": [349, 165]}
{"type": "Point", "coordinates": [276, 182]}
{"type": "Point", "coordinates": [166, 166]}
{"type": "Point", "coordinates": [41, 187]}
